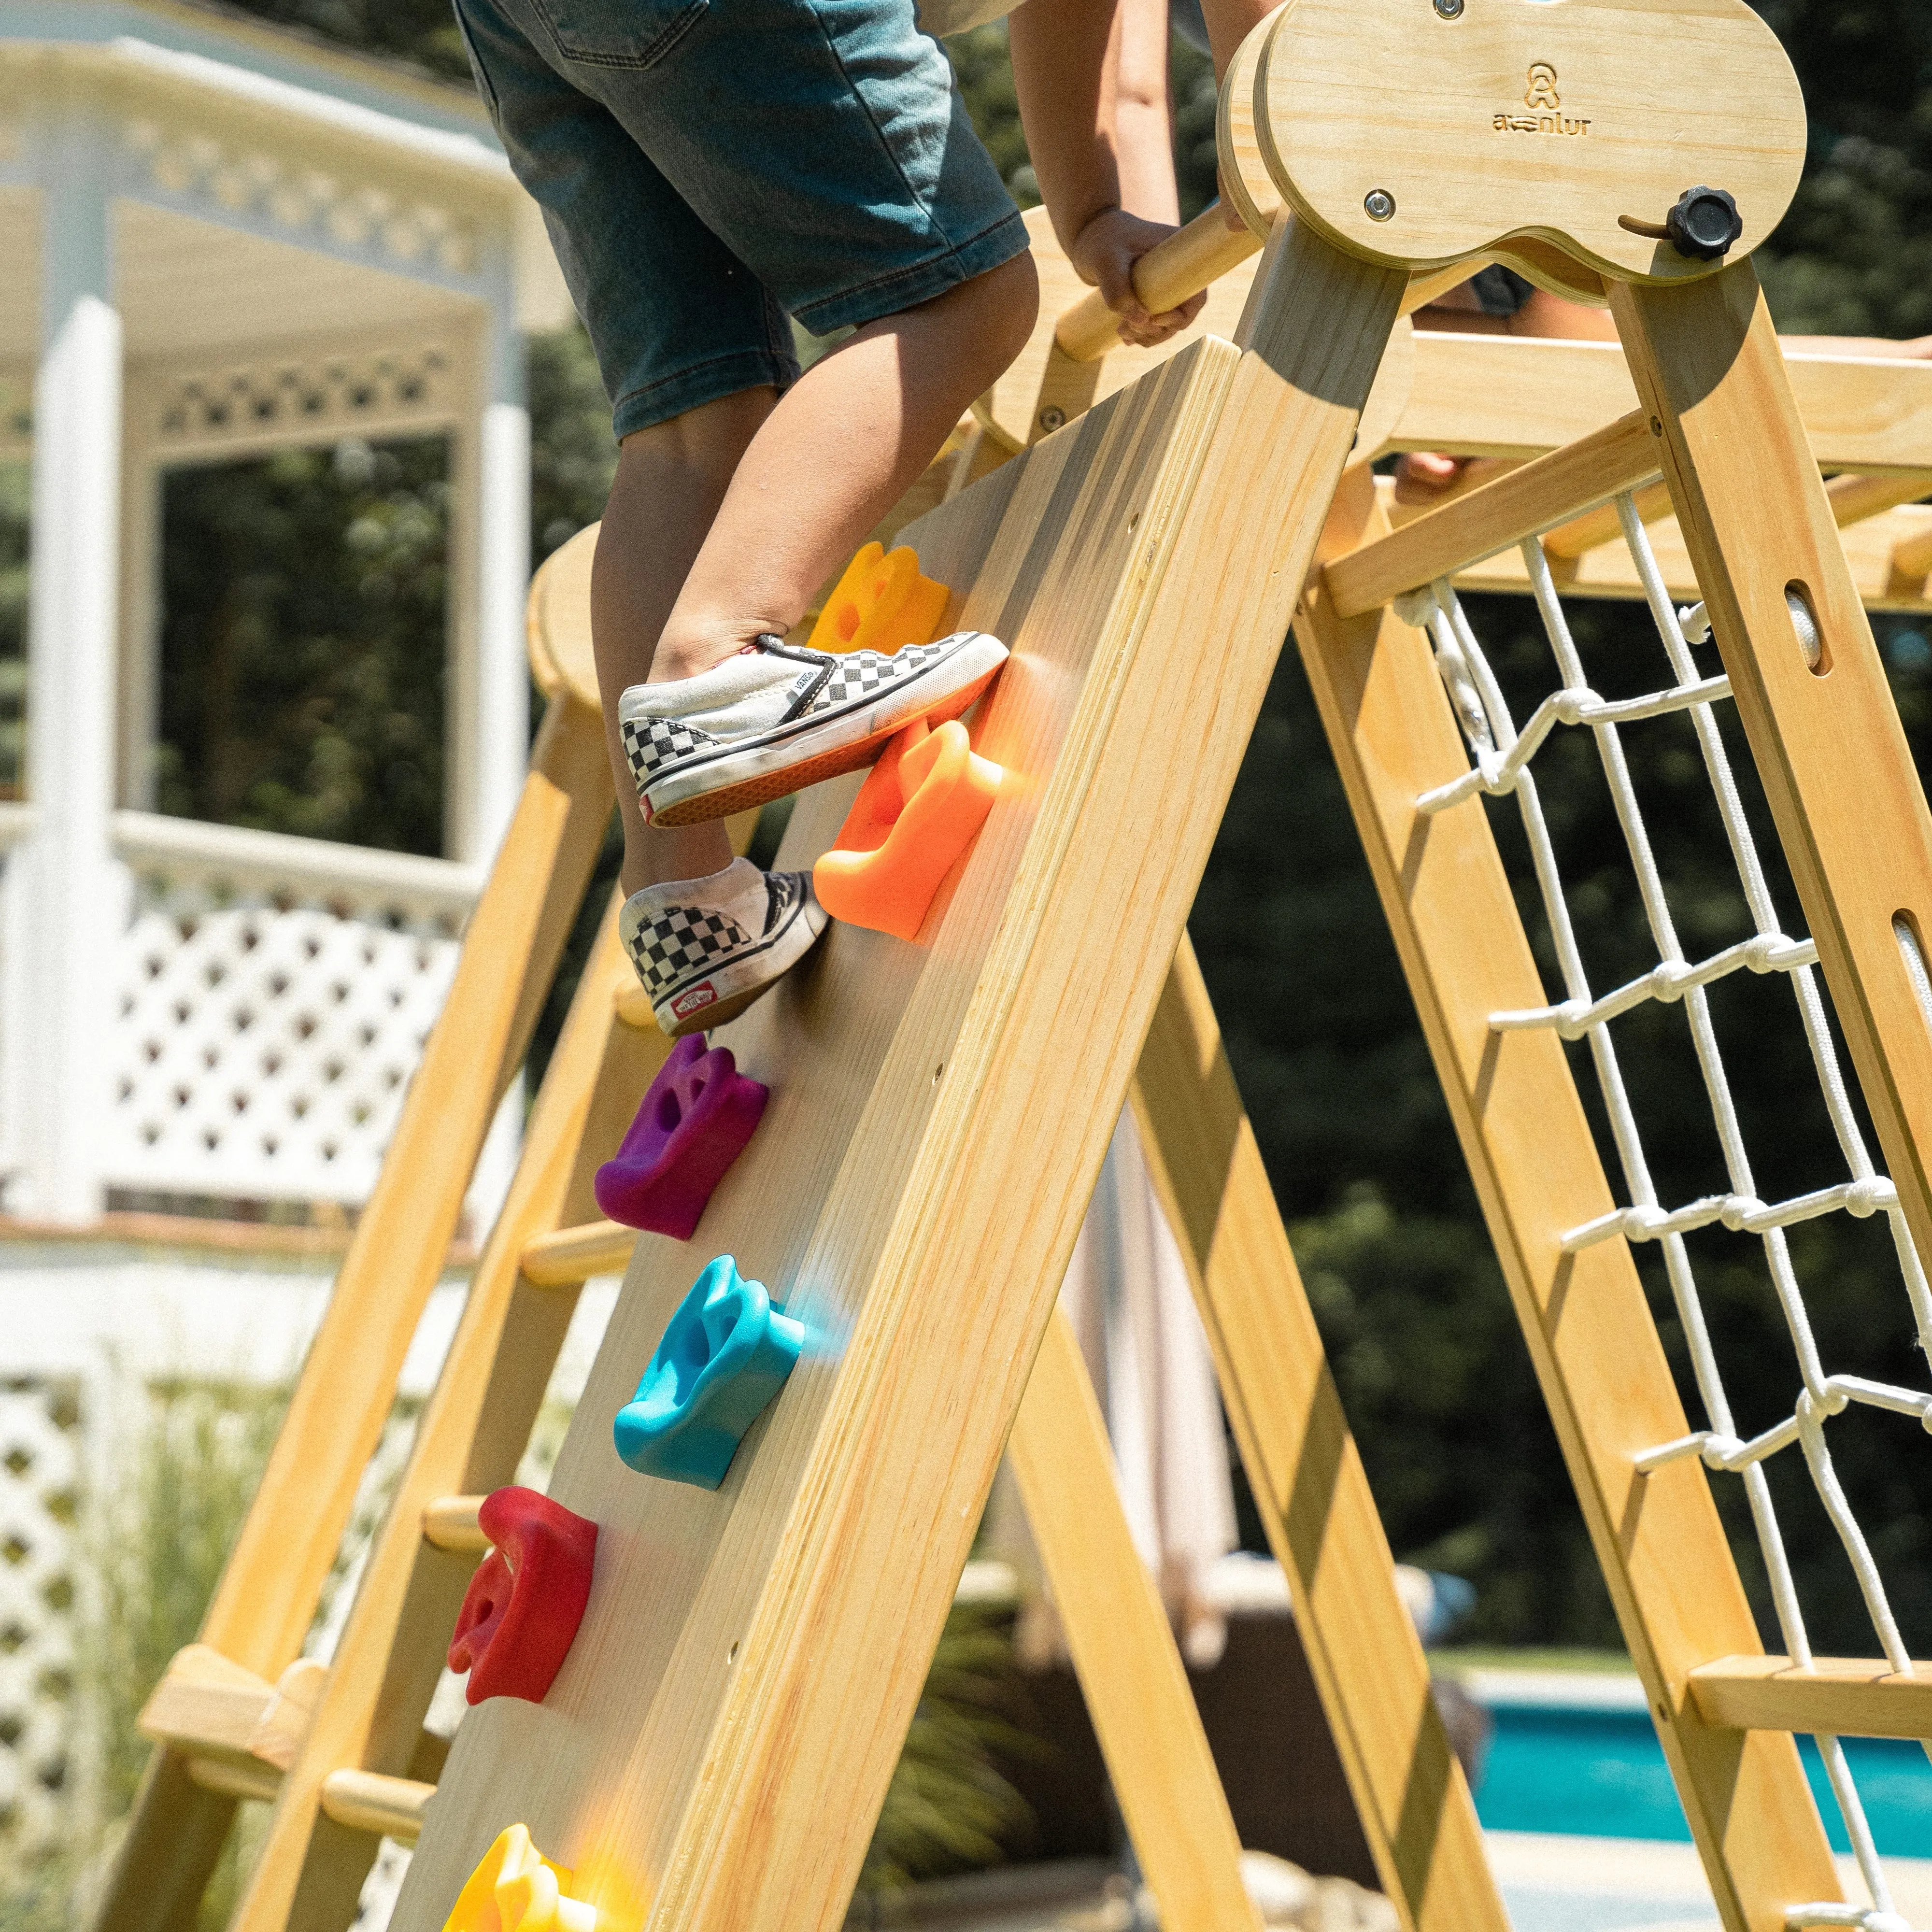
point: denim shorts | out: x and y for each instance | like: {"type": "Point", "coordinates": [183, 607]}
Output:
{"type": "Point", "coordinates": [707, 167]}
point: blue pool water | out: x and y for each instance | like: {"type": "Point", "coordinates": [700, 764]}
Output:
{"type": "Point", "coordinates": [1601, 1774]}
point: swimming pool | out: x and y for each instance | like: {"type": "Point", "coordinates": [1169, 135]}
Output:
{"type": "Point", "coordinates": [1596, 1769]}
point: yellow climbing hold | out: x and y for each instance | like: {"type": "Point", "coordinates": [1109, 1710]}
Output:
{"type": "Point", "coordinates": [879, 604]}
{"type": "Point", "coordinates": [515, 1888]}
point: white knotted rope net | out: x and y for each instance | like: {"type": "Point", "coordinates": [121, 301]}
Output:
{"type": "Point", "coordinates": [1503, 757]}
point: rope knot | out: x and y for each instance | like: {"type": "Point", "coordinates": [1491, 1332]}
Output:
{"type": "Point", "coordinates": [1570, 703]}
{"type": "Point", "coordinates": [1717, 1449]}
{"type": "Point", "coordinates": [1736, 1207]}
{"type": "Point", "coordinates": [1672, 979]}
{"type": "Point", "coordinates": [1868, 1195]}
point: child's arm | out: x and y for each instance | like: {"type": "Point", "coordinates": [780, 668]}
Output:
{"type": "Point", "coordinates": [1087, 156]}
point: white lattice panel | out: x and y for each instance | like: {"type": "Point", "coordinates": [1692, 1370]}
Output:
{"type": "Point", "coordinates": [266, 1030]}
{"type": "Point", "coordinates": [40, 1476]}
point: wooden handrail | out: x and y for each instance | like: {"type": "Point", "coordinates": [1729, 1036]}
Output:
{"type": "Point", "coordinates": [1201, 252]}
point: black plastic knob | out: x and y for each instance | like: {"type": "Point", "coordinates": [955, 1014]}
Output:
{"type": "Point", "coordinates": [1704, 224]}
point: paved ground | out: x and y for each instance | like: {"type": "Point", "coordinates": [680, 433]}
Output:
{"type": "Point", "coordinates": [1554, 1884]}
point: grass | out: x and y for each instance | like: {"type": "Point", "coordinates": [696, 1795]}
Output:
{"type": "Point", "coordinates": [1451, 1660]}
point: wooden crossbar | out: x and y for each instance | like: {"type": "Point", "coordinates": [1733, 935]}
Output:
{"type": "Point", "coordinates": [1548, 491]}
{"type": "Point", "coordinates": [1858, 1697]}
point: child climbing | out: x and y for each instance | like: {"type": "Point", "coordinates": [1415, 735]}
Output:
{"type": "Point", "coordinates": [707, 171]}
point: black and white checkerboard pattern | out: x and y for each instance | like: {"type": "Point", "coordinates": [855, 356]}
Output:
{"type": "Point", "coordinates": [652, 743]}
{"type": "Point", "coordinates": [681, 942]}
{"type": "Point", "coordinates": [862, 674]}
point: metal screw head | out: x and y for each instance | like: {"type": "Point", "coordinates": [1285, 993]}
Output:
{"type": "Point", "coordinates": [1051, 418]}
{"type": "Point", "coordinates": [1378, 204]}
{"type": "Point", "coordinates": [1450, 10]}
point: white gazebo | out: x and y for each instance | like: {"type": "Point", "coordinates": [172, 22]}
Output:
{"type": "Point", "coordinates": [223, 237]}
{"type": "Point", "coordinates": [219, 238]}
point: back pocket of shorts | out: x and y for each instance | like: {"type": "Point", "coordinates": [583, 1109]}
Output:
{"type": "Point", "coordinates": [619, 33]}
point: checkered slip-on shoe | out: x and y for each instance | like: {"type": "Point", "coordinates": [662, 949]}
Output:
{"type": "Point", "coordinates": [775, 717]}
{"type": "Point", "coordinates": [705, 949]}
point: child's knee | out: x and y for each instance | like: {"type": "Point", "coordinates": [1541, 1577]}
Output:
{"type": "Point", "coordinates": [1012, 295]}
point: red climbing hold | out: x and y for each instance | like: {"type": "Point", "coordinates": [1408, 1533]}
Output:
{"type": "Point", "coordinates": [527, 1597]}
{"type": "Point", "coordinates": [694, 1124]}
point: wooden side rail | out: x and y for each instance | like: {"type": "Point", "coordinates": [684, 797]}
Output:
{"type": "Point", "coordinates": [1552, 490]}
{"type": "Point", "coordinates": [1845, 1696]}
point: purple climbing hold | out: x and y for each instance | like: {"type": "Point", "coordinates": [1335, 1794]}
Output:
{"type": "Point", "coordinates": [694, 1124]}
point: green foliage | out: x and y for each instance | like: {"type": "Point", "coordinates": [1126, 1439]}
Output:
{"type": "Point", "coordinates": [155, 1544]}
{"type": "Point", "coordinates": [573, 454]}
{"type": "Point", "coordinates": [303, 646]}
{"type": "Point", "coordinates": [423, 32]}
{"type": "Point", "coordinates": [1854, 255]}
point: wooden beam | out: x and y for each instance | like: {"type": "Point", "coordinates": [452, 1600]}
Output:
{"type": "Point", "coordinates": [1130, 1672]}
{"type": "Point", "coordinates": [1608, 571]}
{"type": "Point", "coordinates": [1760, 530]}
{"type": "Point", "coordinates": [1305, 1472]}
{"type": "Point", "coordinates": [1552, 490]}
{"type": "Point", "coordinates": [1520, 397]}
{"type": "Point", "coordinates": [1854, 498]}
{"type": "Point", "coordinates": [1596, 527]}
{"type": "Point", "coordinates": [938, 1114]}
{"type": "Point", "coordinates": [452, 1523]}
{"type": "Point", "coordinates": [365, 1801]}
{"type": "Point", "coordinates": [1854, 1697]}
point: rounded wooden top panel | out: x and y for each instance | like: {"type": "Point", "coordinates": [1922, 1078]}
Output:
{"type": "Point", "coordinates": [1416, 134]}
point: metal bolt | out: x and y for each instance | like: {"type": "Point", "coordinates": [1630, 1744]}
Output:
{"type": "Point", "coordinates": [1450, 10]}
{"type": "Point", "coordinates": [1051, 417]}
{"type": "Point", "coordinates": [1378, 203]}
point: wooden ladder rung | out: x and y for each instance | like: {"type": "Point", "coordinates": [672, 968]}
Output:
{"type": "Point", "coordinates": [1854, 1696]}
{"type": "Point", "coordinates": [572, 1255]}
{"type": "Point", "coordinates": [450, 1523]}
{"type": "Point", "coordinates": [370, 1801]}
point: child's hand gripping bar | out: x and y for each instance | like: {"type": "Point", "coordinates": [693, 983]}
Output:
{"type": "Point", "coordinates": [1164, 277]}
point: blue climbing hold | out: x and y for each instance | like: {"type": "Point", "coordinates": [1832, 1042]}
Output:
{"type": "Point", "coordinates": [724, 1355]}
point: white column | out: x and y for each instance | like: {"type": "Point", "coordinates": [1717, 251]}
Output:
{"type": "Point", "coordinates": [71, 890]}
{"type": "Point", "coordinates": [489, 685]}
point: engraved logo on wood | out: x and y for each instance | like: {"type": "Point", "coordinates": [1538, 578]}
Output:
{"type": "Point", "coordinates": [1541, 94]}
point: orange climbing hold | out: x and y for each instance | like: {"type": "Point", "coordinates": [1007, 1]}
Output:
{"type": "Point", "coordinates": [515, 1888]}
{"type": "Point", "coordinates": [881, 603]}
{"type": "Point", "coordinates": [919, 809]}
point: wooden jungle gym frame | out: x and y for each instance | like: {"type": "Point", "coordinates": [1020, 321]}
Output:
{"type": "Point", "coordinates": [1141, 528]}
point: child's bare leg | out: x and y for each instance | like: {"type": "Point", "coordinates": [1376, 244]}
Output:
{"type": "Point", "coordinates": [841, 447]}
{"type": "Point", "coordinates": [670, 480]}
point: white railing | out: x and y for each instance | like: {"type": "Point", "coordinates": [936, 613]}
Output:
{"type": "Point", "coordinates": [272, 995]}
